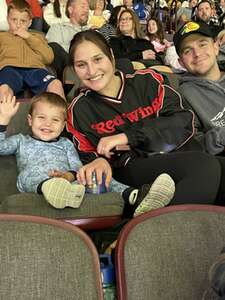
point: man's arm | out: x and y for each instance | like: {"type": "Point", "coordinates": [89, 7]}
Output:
{"type": "Point", "coordinates": [212, 141]}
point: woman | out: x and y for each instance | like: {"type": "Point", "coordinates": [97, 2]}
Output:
{"type": "Point", "coordinates": [129, 42]}
{"type": "Point", "coordinates": [55, 12]}
{"type": "Point", "coordinates": [138, 111]}
{"type": "Point", "coordinates": [155, 35]}
{"type": "Point", "coordinates": [108, 30]}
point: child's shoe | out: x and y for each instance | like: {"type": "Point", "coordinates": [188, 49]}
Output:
{"type": "Point", "coordinates": [60, 193]}
{"type": "Point", "coordinates": [154, 196]}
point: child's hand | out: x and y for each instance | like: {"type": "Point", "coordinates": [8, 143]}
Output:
{"type": "Point", "coordinates": [66, 175]}
{"type": "Point", "coordinates": [8, 108]}
{"type": "Point", "coordinates": [23, 33]}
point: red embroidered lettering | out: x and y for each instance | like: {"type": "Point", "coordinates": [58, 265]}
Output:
{"type": "Point", "coordinates": [118, 121]}
{"type": "Point", "coordinates": [110, 126]}
{"type": "Point", "coordinates": [133, 116]}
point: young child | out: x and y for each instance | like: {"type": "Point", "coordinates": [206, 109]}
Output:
{"type": "Point", "coordinates": [24, 55]}
{"type": "Point", "coordinates": [155, 35]}
{"type": "Point", "coordinates": [47, 163]}
{"type": "Point", "coordinates": [98, 14]}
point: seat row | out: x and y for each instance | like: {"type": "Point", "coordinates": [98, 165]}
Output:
{"type": "Point", "coordinates": [160, 255]}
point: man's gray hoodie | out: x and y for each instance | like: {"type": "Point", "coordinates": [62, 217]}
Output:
{"type": "Point", "coordinates": [207, 99]}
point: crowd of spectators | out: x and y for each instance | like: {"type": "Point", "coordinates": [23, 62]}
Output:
{"type": "Point", "coordinates": [112, 47]}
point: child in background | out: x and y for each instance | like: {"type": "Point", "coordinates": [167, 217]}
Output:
{"type": "Point", "coordinates": [24, 55]}
{"type": "Point", "coordinates": [37, 14]}
{"type": "Point", "coordinates": [98, 14]}
{"type": "Point", "coordinates": [155, 35]}
{"type": "Point", "coordinates": [48, 164]}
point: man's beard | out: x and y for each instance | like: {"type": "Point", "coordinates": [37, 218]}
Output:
{"type": "Point", "coordinates": [83, 21]}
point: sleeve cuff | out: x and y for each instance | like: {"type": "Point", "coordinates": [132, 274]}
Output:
{"type": "Point", "coordinates": [3, 128]}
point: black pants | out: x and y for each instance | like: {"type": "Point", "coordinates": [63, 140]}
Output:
{"type": "Point", "coordinates": [197, 175]}
{"type": "Point", "coordinates": [61, 59]}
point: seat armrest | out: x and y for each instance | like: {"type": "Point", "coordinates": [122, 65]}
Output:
{"type": "Point", "coordinates": [8, 175]}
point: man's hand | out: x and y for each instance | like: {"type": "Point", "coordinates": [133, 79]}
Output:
{"type": "Point", "coordinates": [8, 108]}
{"type": "Point", "coordinates": [106, 144]}
{"type": "Point", "coordinates": [100, 166]}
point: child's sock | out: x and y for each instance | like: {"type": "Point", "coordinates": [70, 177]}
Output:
{"type": "Point", "coordinates": [60, 193]}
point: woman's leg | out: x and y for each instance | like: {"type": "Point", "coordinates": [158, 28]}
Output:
{"type": "Point", "coordinates": [196, 175]}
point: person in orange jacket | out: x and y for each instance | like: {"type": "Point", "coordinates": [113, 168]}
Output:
{"type": "Point", "coordinates": [37, 13]}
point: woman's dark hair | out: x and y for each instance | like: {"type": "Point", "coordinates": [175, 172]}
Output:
{"type": "Point", "coordinates": [137, 28]}
{"type": "Point", "coordinates": [93, 37]}
{"type": "Point", "coordinates": [114, 15]}
{"type": "Point", "coordinates": [159, 33]}
{"type": "Point", "coordinates": [56, 8]}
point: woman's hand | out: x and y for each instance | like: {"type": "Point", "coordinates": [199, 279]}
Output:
{"type": "Point", "coordinates": [148, 54]}
{"type": "Point", "coordinates": [106, 144]}
{"type": "Point", "coordinates": [100, 166]}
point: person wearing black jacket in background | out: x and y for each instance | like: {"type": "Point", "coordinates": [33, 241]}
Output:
{"type": "Point", "coordinates": [130, 44]}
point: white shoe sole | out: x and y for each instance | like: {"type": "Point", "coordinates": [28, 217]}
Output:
{"type": "Point", "coordinates": [159, 195]}
{"type": "Point", "coordinates": [60, 193]}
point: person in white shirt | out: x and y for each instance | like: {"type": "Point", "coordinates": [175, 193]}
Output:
{"type": "Point", "coordinates": [55, 12]}
{"type": "Point", "coordinates": [3, 16]}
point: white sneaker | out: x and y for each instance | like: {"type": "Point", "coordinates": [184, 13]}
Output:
{"type": "Point", "coordinates": [60, 193]}
{"type": "Point", "coordinates": [158, 195]}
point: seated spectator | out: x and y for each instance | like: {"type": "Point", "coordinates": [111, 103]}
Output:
{"type": "Point", "coordinates": [184, 14]}
{"type": "Point", "coordinates": [24, 55]}
{"type": "Point", "coordinates": [128, 4]}
{"type": "Point", "coordinates": [116, 3]}
{"type": "Point", "coordinates": [98, 15]}
{"type": "Point", "coordinates": [129, 42]}
{"type": "Point", "coordinates": [3, 16]}
{"type": "Point", "coordinates": [37, 14]}
{"type": "Point", "coordinates": [221, 42]}
{"type": "Point", "coordinates": [52, 168]}
{"type": "Point", "coordinates": [205, 13]}
{"type": "Point", "coordinates": [109, 29]}
{"type": "Point", "coordinates": [155, 34]}
{"type": "Point", "coordinates": [59, 35]}
{"type": "Point", "coordinates": [142, 10]}
{"type": "Point", "coordinates": [203, 86]}
{"type": "Point", "coordinates": [138, 111]}
{"type": "Point", "coordinates": [55, 12]}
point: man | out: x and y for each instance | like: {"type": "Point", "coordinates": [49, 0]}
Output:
{"type": "Point", "coordinates": [203, 87]}
{"type": "Point", "coordinates": [184, 14]}
{"type": "Point", "coordinates": [59, 35]}
{"type": "Point", "coordinates": [206, 12]}
{"type": "Point", "coordinates": [77, 12]}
